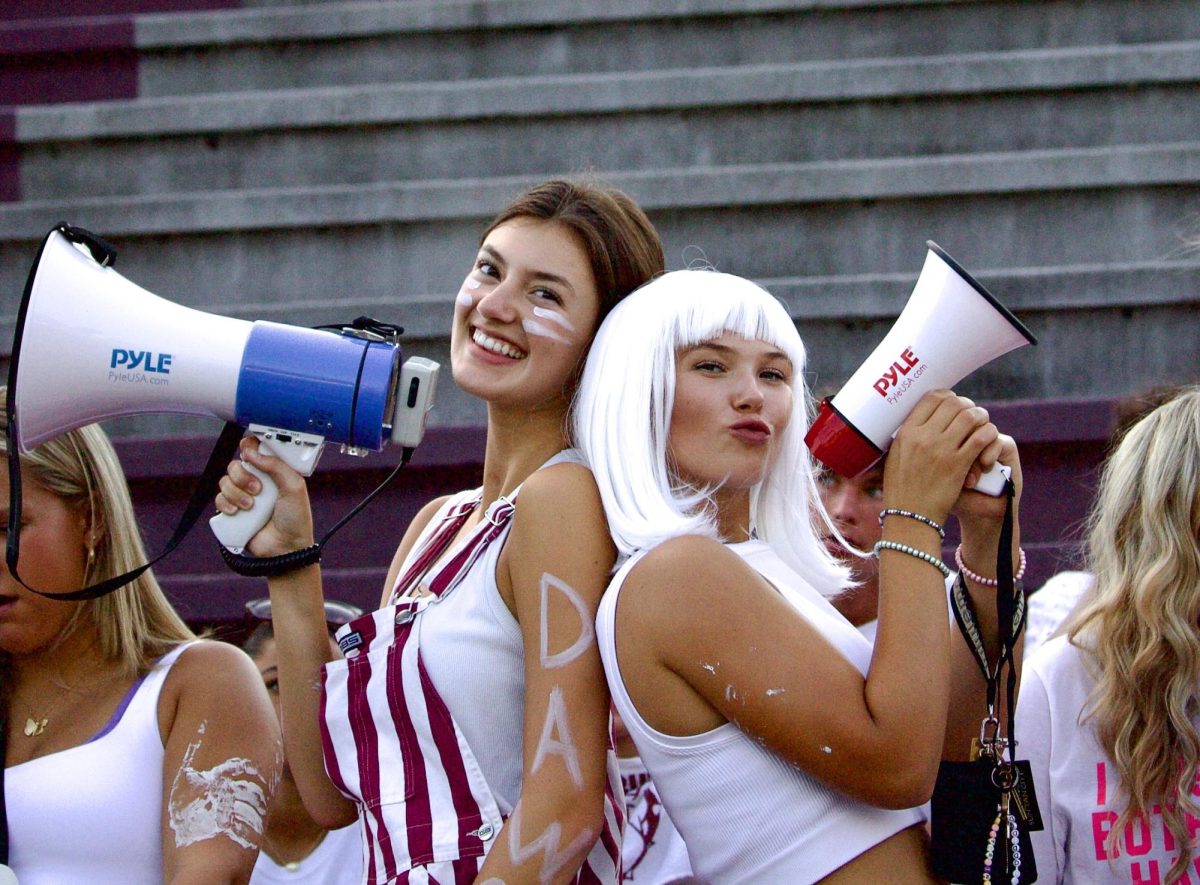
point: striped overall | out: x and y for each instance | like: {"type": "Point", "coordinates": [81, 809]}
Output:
{"type": "Point", "coordinates": [392, 746]}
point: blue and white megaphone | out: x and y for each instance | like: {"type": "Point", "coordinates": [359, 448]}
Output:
{"type": "Point", "coordinates": [950, 326]}
{"type": "Point", "coordinates": [90, 345]}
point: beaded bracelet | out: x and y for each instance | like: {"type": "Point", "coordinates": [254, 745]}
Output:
{"type": "Point", "coordinates": [913, 551]}
{"type": "Point", "coordinates": [896, 511]}
{"type": "Point", "coordinates": [979, 579]}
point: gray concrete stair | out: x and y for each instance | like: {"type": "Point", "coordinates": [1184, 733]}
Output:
{"type": "Point", "coordinates": [684, 118]}
{"type": "Point", "coordinates": [310, 45]}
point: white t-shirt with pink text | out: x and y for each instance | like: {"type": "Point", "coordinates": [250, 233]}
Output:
{"type": "Point", "coordinates": [1077, 785]}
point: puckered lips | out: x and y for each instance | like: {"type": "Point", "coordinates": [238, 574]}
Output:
{"type": "Point", "coordinates": [751, 431]}
{"type": "Point", "coordinates": [498, 346]}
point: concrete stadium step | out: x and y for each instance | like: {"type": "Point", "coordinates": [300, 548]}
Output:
{"type": "Point", "coordinates": [338, 44]}
{"type": "Point", "coordinates": [396, 250]}
{"type": "Point", "coordinates": [687, 118]}
{"type": "Point", "coordinates": [901, 181]}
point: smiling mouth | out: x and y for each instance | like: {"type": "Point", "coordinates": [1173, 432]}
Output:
{"type": "Point", "coordinates": [495, 345]}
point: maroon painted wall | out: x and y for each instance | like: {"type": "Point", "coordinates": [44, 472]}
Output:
{"type": "Point", "coordinates": [61, 51]}
{"type": "Point", "coordinates": [24, 10]}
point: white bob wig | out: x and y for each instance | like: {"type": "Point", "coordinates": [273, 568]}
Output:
{"type": "Point", "coordinates": [622, 417]}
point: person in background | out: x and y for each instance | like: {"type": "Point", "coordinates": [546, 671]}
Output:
{"type": "Point", "coordinates": [135, 752]}
{"type": "Point", "coordinates": [1109, 711]}
{"type": "Point", "coordinates": [295, 848]}
{"type": "Point", "coordinates": [855, 505]}
{"type": "Point", "coordinates": [467, 726]}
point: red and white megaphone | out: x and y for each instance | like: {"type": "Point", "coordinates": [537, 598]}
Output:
{"type": "Point", "coordinates": [950, 327]}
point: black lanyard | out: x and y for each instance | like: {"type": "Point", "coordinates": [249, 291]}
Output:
{"type": "Point", "coordinates": [1010, 612]}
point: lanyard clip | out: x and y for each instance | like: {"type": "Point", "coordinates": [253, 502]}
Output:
{"type": "Point", "coordinates": [989, 744]}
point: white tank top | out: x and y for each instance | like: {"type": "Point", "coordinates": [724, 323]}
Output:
{"type": "Point", "coordinates": [474, 651]}
{"type": "Point", "coordinates": [745, 814]}
{"type": "Point", "coordinates": [93, 813]}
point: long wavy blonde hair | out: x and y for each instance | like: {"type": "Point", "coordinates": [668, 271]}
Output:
{"type": "Point", "coordinates": [1140, 627]}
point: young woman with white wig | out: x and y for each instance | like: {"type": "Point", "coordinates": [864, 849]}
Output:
{"type": "Point", "coordinates": [749, 697]}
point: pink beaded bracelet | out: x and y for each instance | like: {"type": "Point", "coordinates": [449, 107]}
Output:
{"type": "Point", "coordinates": [979, 579]}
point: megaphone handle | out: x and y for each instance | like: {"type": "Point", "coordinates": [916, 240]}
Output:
{"type": "Point", "coordinates": [234, 532]}
{"type": "Point", "coordinates": [992, 482]}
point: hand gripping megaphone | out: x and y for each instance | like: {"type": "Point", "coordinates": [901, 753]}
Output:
{"type": "Point", "coordinates": [950, 326]}
{"type": "Point", "coordinates": [91, 345]}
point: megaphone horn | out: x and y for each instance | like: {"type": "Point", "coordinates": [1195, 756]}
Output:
{"type": "Point", "coordinates": [91, 345]}
{"type": "Point", "coordinates": [950, 326]}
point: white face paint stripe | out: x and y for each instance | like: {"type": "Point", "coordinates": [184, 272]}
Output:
{"type": "Point", "coordinates": [554, 317]}
{"type": "Point", "coordinates": [547, 845]}
{"type": "Point", "coordinates": [465, 298]}
{"type": "Point", "coordinates": [228, 800]}
{"type": "Point", "coordinates": [587, 632]}
{"type": "Point", "coordinates": [533, 327]}
{"type": "Point", "coordinates": [563, 745]}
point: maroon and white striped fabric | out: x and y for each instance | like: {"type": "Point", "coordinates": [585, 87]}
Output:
{"type": "Point", "coordinates": [392, 746]}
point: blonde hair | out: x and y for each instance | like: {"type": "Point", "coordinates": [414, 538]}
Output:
{"type": "Point", "coordinates": [622, 417]}
{"type": "Point", "coordinates": [1139, 627]}
{"type": "Point", "coordinates": [136, 624]}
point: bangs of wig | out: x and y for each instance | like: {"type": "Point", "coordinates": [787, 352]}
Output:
{"type": "Point", "coordinates": [711, 304]}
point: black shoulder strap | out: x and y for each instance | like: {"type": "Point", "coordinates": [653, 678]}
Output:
{"type": "Point", "coordinates": [206, 489]}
